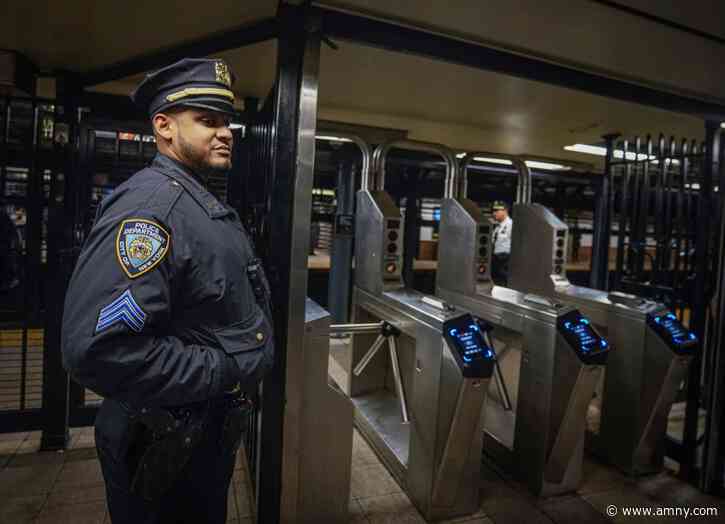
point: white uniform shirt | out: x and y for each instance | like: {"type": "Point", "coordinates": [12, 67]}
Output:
{"type": "Point", "coordinates": [502, 237]}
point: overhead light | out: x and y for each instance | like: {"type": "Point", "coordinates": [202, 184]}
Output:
{"type": "Point", "coordinates": [501, 161]}
{"type": "Point", "coordinates": [586, 148]}
{"type": "Point", "coordinates": [332, 138]}
{"type": "Point", "coordinates": [535, 164]}
{"type": "Point", "coordinates": [602, 151]}
{"type": "Point", "coordinates": [234, 126]}
{"type": "Point", "coordinates": [722, 125]}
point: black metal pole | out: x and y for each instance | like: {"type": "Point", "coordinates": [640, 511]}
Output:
{"type": "Point", "coordinates": [623, 216]}
{"type": "Point", "coordinates": [599, 277]}
{"type": "Point", "coordinates": [659, 215]}
{"type": "Point", "coordinates": [343, 238]}
{"type": "Point", "coordinates": [290, 206]}
{"type": "Point", "coordinates": [688, 468]}
{"type": "Point", "coordinates": [60, 260]}
{"type": "Point", "coordinates": [713, 466]}
{"type": "Point", "coordinates": [412, 227]}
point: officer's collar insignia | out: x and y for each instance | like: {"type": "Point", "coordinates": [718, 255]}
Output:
{"type": "Point", "coordinates": [140, 245]}
{"type": "Point", "coordinates": [222, 73]}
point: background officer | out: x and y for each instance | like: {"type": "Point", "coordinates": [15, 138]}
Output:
{"type": "Point", "coordinates": [501, 243]}
{"type": "Point", "coordinates": [166, 314]}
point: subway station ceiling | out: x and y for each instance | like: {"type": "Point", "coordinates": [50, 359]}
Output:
{"type": "Point", "coordinates": [459, 106]}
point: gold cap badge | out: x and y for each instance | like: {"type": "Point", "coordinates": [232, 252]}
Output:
{"type": "Point", "coordinates": [222, 73]}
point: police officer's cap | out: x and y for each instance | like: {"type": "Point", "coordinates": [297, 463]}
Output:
{"type": "Point", "coordinates": [197, 82]}
{"type": "Point", "coordinates": [499, 205]}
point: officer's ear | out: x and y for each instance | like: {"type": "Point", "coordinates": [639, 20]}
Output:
{"type": "Point", "coordinates": [164, 125]}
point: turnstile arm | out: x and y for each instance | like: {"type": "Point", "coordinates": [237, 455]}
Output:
{"type": "Point", "coordinates": [388, 333]}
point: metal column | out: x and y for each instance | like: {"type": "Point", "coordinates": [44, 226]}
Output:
{"type": "Point", "coordinates": [61, 259]}
{"type": "Point", "coordinates": [298, 57]}
{"type": "Point", "coordinates": [599, 278]}
{"type": "Point", "coordinates": [342, 240]}
{"type": "Point", "coordinates": [412, 227]}
{"type": "Point", "coordinates": [699, 313]}
{"type": "Point", "coordinates": [713, 467]}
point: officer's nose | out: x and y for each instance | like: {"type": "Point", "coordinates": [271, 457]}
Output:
{"type": "Point", "coordinates": [225, 135]}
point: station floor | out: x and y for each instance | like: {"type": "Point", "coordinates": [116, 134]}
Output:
{"type": "Point", "coordinates": [67, 487]}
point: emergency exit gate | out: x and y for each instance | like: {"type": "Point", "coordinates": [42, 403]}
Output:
{"type": "Point", "coordinates": [660, 204]}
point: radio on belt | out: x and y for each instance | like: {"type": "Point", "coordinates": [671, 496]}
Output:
{"type": "Point", "coordinates": [474, 356]}
{"type": "Point", "coordinates": [578, 331]}
{"type": "Point", "coordinates": [680, 339]}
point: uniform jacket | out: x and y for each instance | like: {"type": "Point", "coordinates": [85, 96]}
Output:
{"type": "Point", "coordinates": [159, 310]}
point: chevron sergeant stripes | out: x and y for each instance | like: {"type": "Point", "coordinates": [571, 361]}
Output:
{"type": "Point", "coordinates": [124, 310]}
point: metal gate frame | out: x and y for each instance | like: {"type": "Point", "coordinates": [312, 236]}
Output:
{"type": "Point", "coordinates": [646, 178]}
{"type": "Point", "coordinates": [37, 153]}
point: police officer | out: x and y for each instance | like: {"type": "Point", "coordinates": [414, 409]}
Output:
{"type": "Point", "coordinates": [501, 243]}
{"type": "Point", "coordinates": [166, 315]}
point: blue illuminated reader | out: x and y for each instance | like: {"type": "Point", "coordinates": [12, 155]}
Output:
{"type": "Point", "coordinates": [669, 328]}
{"type": "Point", "coordinates": [469, 347]}
{"type": "Point", "coordinates": [578, 331]}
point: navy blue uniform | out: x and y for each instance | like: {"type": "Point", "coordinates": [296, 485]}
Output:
{"type": "Point", "coordinates": [160, 313]}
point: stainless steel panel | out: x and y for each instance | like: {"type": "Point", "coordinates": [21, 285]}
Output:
{"type": "Point", "coordinates": [622, 386]}
{"type": "Point", "coordinates": [464, 429]}
{"type": "Point", "coordinates": [417, 452]}
{"type": "Point", "coordinates": [318, 451]}
{"type": "Point", "coordinates": [373, 209]}
{"type": "Point", "coordinates": [543, 436]}
{"type": "Point", "coordinates": [664, 374]}
{"type": "Point", "coordinates": [532, 266]}
{"type": "Point", "coordinates": [459, 257]}
{"type": "Point", "coordinates": [380, 409]}
{"type": "Point", "coordinates": [572, 392]}
{"type": "Point", "coordinates": [642, 374]}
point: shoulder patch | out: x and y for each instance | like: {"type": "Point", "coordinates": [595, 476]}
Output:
{"type": "Point", "coordinates": [140, 245]}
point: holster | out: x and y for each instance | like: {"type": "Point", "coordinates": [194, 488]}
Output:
{"type": "Point", "coordinates": [164, 446]}
{"type": "Point", "coordinates": [236, 419]}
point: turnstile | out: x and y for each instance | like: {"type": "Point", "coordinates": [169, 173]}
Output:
{"type": "Point", "coordinates": [628, 420]}
{"type": "Point", "coordinates": [552, 361]}
{"type": "Point", "coordinates": [420, 407]}
{"type": "Point", "coordinates": [317, 451]}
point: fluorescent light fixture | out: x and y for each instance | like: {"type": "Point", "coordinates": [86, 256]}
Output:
{"type": "Point", "coordinates": [535, 164]}
{"type": "Point", "coordinates": [332, 138]}
{"type": "Point", "coordinates": [722, 125]}
{"type": "Point", "coordinates": [233, 126]}
{"type": "Point", "coordinates": [501, 161]}
{"type": "Point", "coordinates": [460, 155]}
{"type": "Point", "coordinates": [602, 151]}
{"type": "Point", "coordinates": [586, 148]}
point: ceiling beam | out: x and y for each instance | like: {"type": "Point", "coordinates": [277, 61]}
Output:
{"type": "Point", "coordinates": [259, 31]}
{"type": "Point", "coordinates": [406, 39]}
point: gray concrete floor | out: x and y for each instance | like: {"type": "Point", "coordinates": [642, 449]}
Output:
{"type": "Point", "coordinates": [67, 487]}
